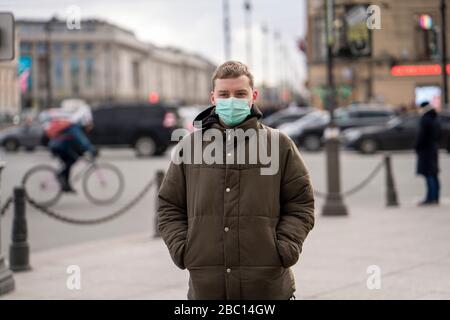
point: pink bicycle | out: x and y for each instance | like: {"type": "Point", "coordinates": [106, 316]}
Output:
{"type": "Point", "coordinates": [102, 183]}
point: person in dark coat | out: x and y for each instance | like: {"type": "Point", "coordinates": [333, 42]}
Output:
{"type": "Point", "coordinates": [427, 149]}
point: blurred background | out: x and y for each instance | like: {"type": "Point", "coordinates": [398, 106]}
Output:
{"type": "Point", "coordinates": [145, 67]}
{"type": "Point", "coordinates": [164, 52]}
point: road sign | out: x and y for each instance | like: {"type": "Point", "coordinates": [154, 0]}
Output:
{"type": "Point", "coordinates": [7, 43]}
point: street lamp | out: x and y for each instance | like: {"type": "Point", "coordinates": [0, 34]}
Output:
{"type": "Point", "coordinates": [226, 29]}
{"type": "Point", "coordinates": [444, 56]}
{"type": "Point", "coordinates": [265, 53]}
{"type": "Point", "coordinates": [334, 205]}
{"type": "Point", "coordinates": [279, 62]}
{"type": "Point", "coordinates": [48, 73]}
{"type": "Point", "coordinates": [248, 10]}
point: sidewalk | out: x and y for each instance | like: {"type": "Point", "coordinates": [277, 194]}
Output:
{"type": "Point", "coordinates": [411, 246]}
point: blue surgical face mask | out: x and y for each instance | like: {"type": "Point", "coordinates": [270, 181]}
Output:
{"type": "Point", "coordinates": [232, 111]}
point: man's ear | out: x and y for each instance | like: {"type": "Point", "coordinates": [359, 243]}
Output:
{"type": "Point", "coordinates": [212, 99]}
{"type": "Point", "coordinates": [255, 95]}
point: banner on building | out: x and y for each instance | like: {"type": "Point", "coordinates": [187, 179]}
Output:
{"type": "Point", "coordinates": [24, 73]}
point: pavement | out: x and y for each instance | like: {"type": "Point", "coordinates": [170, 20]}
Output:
{"type": "Point", "coordinates": [408, 245]}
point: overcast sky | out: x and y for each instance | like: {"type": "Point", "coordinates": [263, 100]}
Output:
{"type": "Point", "coordinates": [194, 25]}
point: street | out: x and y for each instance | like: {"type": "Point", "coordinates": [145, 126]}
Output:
{"type": "Point", "coordinates": [46, 233]}
{"type": "Point", "coordinates": [120, 260]}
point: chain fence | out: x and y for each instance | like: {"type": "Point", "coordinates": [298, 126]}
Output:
{"type": "Point", "coordinates": [359, 186]}
{"type": "Point", "coordinates": [55, 215]}
{"type": "Point", "coordinates": [6, 205]}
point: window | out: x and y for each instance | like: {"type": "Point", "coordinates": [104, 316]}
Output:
{"type": "Point", "coordinates": [427, 44]}
{"type": "Point", "coordinates": [57, 48]}
{"type": "Point", "coordinates": [410, 123]}
{"type": "Point", "coordinates": [25, 48]}
{"type": "Point", "coordinates": [42, 73]}
{"type": "Point", "coordinates": [372, 114]}
{"type": "Point", "coordinates": [342, 115]}
{"type": "Point", "coordinates": [58, 82]}
{"type": "Point", "coordinates": [136, 77]}
{"type": "Point", "coordinates": [88, 47]}
{"type": "Point", "coordinates": [427, 38]}
{"type": "Point", "coordinates": [353, 38]}
{"type": "Point", "coordinates": [319, 40]}
{"type": "Point", "coordinates": [42, 48]}
{"type": "Point", "coordinates": [73, 47]}
{"type": "Point", "coordinates": [74, 73]}
{"type": "Point", "coordinates": [89, 71]}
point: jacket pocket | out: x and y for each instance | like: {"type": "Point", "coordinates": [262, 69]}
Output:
{"type": "Point", "coordinates": [276, 247]}
{"type": "Point", "coordinates": [257, 242]}
{"type": "Point", "coordinates": [288, 252]}
{"type": "Point", "coordinates": [204, 242]}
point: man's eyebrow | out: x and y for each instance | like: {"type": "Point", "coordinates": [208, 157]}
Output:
{"type": "Point", "coordinates": [223, 91]}
{"type": "Point", "coordinates": [241, 91]}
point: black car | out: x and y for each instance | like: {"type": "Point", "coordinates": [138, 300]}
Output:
{"type": "Point", "coordinates": [286, 115]}
{"type": "Point", "coordinates": [145, 127]}
{"type": "Point", "coordinates": [308, 131]}
{"type": "Point", "coordinates": [398, 134]}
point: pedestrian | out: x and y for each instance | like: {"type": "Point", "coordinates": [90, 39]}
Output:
{"type": "Point", "coordinates": [427, 149]}
{"type": "Point", "coordinates": [237, 231]}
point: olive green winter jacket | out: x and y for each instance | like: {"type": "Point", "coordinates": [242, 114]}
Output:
{"type": "Point", "coordinates": [237, 231]}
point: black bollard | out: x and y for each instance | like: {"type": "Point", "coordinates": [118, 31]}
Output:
{"type": "Point", "coordinates": [159, 179]}
{"type": "Point", "coordinates": [6, 277]}
{"type": "Point", "coordinates": [391, 193]}
{"type": "Point", "coordinates": [19, 250]}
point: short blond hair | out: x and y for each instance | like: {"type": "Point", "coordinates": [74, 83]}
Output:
{"type": "Point", "coordinates": [230, 70]}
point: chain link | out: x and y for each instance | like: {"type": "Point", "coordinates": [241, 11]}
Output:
{"type": "Point", "coordinates": [359, 186]}
{"type": "Point", "coordinates": [112, 216]}
{"type": "Point", "coordinates": [6, 205]}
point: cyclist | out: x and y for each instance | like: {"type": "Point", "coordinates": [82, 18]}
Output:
{"type": "Point", "coordinates": [66, 132]}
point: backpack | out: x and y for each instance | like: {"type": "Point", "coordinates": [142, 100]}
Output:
{"type": "Point", "coordinates": [56, 126]}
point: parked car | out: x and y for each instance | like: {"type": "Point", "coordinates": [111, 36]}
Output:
{"type": "Point", "coordinates": [6, 120]}
{"type": "Point", "coordinates": [188, 114]}
{"type": "Point", "coordinates": [287, 115]}
{"type": "Point", "coordinates": [398, 134]}
{"type": "Point", "coordinates": [308, 131]}
{"type": "Point", "coordinates": [145, 127]}
{"type": "Point", "coordinates": [28, 136]}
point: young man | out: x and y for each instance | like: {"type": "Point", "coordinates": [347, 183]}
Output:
{"type": "Point", "coordinates": [236, 230]}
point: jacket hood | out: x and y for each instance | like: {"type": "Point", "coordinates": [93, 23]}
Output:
{"type": "Point", "coordinates": [209, 116]}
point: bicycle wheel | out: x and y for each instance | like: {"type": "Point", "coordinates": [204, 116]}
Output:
{"type": "Point", "coordinates": [41, 184]}
{"type": "Point", "coordinates": [103, 183]}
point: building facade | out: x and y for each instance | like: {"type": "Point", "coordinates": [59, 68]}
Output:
{"type": "Point", "coordinates": [397, 64]}
{"type": "Point", "coordinates": [9, 86]}
{"type": "Point", "coordinates": [102, 62]}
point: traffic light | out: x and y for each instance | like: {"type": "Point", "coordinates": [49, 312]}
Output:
{"type": "Point", "coordinates": [7, 43]}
